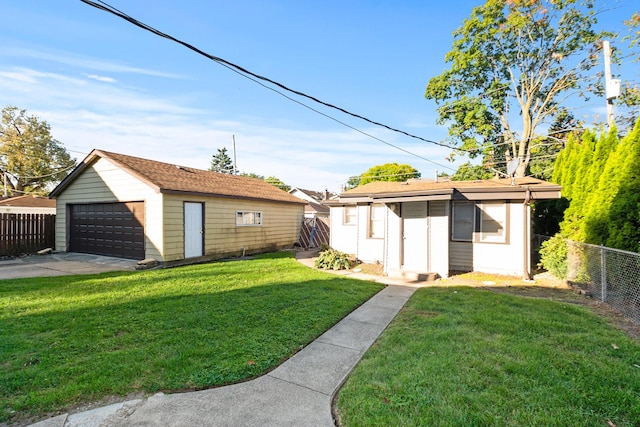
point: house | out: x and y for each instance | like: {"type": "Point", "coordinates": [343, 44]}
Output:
{"type": "Point", "coordinates": [315, 227]}
{"type": "Point", "coordinates": [28, 204]}
{"type": "Point", "coordinates": [424, 227]}
{"type": "Point", "coordinates": [123, 206]}
{"type": "Point", "coordinates": [314, 207]}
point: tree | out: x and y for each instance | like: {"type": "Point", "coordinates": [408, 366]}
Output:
{"type": "Point", "coordinates": [221, 162]}
{"type": "Point", "coordinates": [252, 175]}
{"type": "Point", "coordinates": [630, 91]}
{"type": "Point", "coordinates": [389, 172]}
{"type": "Point", "coordinates": [511, 58]}
{"type": "Point", "coordinates": [278, 183]}
{"type": "Point", "coordinates": [30, 159]}
{"type": "Point", "coordinates": [469, 172]}
{"type": "Point", "coordinates": [353, 182]}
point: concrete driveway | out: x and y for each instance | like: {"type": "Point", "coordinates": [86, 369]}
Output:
{"type": "Point", "coordinates": [62, 264]}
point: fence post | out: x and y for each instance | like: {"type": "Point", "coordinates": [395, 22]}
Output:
{"type": "Point", "coordinates": [603, 275]}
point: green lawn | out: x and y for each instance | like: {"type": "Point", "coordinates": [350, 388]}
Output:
{"type": "Point", "coordinates": [471, 357]}
{"type": "Point", "coordinates": [68, 340]}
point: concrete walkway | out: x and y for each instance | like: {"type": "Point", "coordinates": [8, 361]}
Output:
{"type": "Point", "coordinates": [297, 393]}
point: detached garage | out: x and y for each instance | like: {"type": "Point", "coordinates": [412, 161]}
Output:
{"type": "Point", "coordinates": [128, 207]}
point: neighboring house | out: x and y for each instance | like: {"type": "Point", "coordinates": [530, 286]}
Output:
{"type": "Point", "coordinates": [28, 204]}
{"type": "Point", "coordinates": [315, 227]}
{"type": "Point", "coordinates": [420, 227]}
{"type": "Point", "coordinates": [118, 205]}
{"type": "Point", "coordinates": [314, 207]}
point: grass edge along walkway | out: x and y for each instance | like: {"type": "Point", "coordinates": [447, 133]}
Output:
{"type": "Point", "coordinates": [66, 341]}
{"type": "Point", "coordinates": [465, 356]}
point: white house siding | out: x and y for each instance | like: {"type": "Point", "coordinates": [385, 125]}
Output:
{"type": "Point", "coordinates": [501, 258]}
{"type": "Point", "coordinates": [280, 226]}
{"type": "Point", "coordinates": [496, 258]}
{"type": "Point", "coordinates": [369, 250]}
{"type": "Point", "coordinates": [344, 237]}
{"type": "Point", "coordinates": [105, 182]}
{"type": "Point", "coordinates": [354, 239]}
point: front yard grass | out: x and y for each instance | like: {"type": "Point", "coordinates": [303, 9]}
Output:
{"type": "Point", "coordinates": [66, 341]}
{"type": "Point", "coordinates": [471, 357]}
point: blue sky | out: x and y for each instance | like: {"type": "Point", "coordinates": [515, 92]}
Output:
{"type": "Point", "coordinates": [101, 82]}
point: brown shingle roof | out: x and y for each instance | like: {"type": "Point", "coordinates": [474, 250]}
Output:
{"type": "Point", "coordinates": [168, 178]}
{"type": "Point", "coordinates": [28, 201]}
{"type": "Point", "coordinates": [417, 186]}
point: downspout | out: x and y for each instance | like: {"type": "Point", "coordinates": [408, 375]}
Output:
{"type": "Point", "coordinates": [526, 214]}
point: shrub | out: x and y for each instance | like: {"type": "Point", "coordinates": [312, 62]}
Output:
{"type": "Point", "coordinates": [333, 259]}
{"type": "Point", "coordinates": [553, 256]}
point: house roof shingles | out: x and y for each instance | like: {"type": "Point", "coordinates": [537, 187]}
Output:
{"type": "Point", "coordinates": [28, 201]}
{"type": "Point", "coordinates": [169, 178]}
{"type": "Point", "coordinates": [385, 190]}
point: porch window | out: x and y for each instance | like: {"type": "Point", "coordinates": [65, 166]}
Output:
{"type": "Point", "coordinates": [248, 218]}
{"type": "Point", "coordinates": [462, 223]}
{"type": "Point", "coordinates": [493, 222]}
{"type": "Point", "coordinates": [376, 221]}
{"type": "Point", "coordinates": [350, 215]}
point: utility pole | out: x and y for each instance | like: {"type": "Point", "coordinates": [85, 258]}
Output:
{"type": "Point", "coordinates": [612, 86]}
{"type": "Point", "coordinates": [235, 169]}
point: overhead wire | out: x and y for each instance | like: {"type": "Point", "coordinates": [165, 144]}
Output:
{"type": "Point", "coordinates": [259, 79]}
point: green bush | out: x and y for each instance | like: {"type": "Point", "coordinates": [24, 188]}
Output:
{"type": "Point", "coordinates": [553, 256]}
{"type": "Point", "coordinates": [333, 259]}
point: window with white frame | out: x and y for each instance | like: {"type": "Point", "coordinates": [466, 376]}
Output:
{"type": "Point", "coordinates": [463, 221]}
{"type": "Point", "coordinates": [350, 215]}
{"type": "Point", "coordinates": [493, 222]}
{"type": "Point", "coordinates": [248, 218]}
{"type": "Point", "coordinates": [376, 221]}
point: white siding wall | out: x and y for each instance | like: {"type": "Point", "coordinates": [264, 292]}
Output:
{"type": "Point", "coordinates": [344, 237]}
{"type": "Point", "coordinates": [500, 258]}
{"type": "Point", "coordinates": [496, 258]}
{"type": "Point", "coordinates": [369, 250]}
{"type": "Point", "coordinates": [280, 226]}
{"type": "Point", "coordinates": [105, 182]}
{"type": "Point", "coordinates": [354, 239]}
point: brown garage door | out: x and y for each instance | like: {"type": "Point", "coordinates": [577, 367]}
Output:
{"type": "Point", "coordinates": [111, 229]}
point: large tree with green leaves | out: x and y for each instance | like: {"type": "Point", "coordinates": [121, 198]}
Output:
{"type": "Point", "coordinates": [512, 65]}
{"type": "Point", "coordinates": [397, 172]}
{"type": "Point", "coordinates": [31, 161]}
{"type": "Point", "coordinates": [273, 180]}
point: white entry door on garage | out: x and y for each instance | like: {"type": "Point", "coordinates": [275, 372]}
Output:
{"type": "Point", "coordinates": [193, 229]}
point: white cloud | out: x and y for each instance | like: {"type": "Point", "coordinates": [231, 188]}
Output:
{"type": "Point", "coordinates": [76, 61]}
{"type": "Point", "coordinates": [101, 78]}
{"type": "Point", "coordinates": [86, 114]}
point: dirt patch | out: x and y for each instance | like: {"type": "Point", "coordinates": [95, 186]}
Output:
{"type": "Point", "coordinates": [374, 269]}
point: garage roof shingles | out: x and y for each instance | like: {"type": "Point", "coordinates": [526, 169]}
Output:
{"type": "Point", "coordinates": [168, 178]}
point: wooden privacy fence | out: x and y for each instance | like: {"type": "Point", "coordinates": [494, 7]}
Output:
{"type": "Point", "coordinates": [314, 232]}
{"type": "Point", "coordinates": [26, 233]}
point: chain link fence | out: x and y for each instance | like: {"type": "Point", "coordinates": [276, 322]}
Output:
{"type": "Point", "coordinates": [611, 275]}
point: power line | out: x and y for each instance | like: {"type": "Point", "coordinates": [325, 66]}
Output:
{"type": "Point", "coordinates": [101, 5]}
